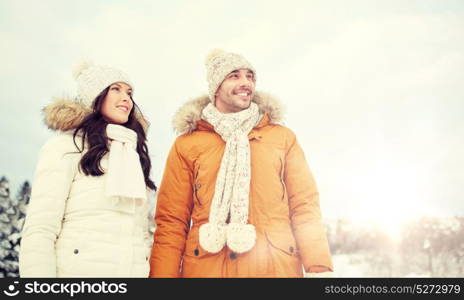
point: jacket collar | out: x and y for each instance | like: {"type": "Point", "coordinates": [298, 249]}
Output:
{"type": "Point", "coordinates": [64, 114]}
{"type": "Point", "coordinates": [188, 118]}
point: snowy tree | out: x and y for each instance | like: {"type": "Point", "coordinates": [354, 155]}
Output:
{"type": "Point", "coordinates": [6, 215]}
{"type": "Point", "coordinates": [344, 237]}
{"type": "Point", "coordinates": [12, 214]}
{"type": "Point", "coordinates": [20, 204]}
{"type": "Point", "coordinates": [427, 246]}
{"type": "Point", "coordinates": [434, 246]}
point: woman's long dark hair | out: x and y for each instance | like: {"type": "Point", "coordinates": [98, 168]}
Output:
{"type": "Point", "coordinates": [93, 130]}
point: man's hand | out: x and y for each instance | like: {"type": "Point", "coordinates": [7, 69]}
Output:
{"type": "Point", "coordinates": [318, 269]}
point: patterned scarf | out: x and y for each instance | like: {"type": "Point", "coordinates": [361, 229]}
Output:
{"type": "Point", "coordinates": [231, 194]}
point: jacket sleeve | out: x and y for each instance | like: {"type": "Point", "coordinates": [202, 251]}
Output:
{"type": "Point", "coordinates": [172, 216]}
{"type": "Point", "coordinates": [148, 222]}
{"type": "Point", "coordinates": [52, 181]}
{"type": "Point", "coordinates": [308, 229]}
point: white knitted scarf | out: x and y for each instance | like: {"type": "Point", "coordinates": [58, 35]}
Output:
{"type": "Point", "coordinates": [124, 175]}
{"type": "Point", "coordinates": [231, 194]}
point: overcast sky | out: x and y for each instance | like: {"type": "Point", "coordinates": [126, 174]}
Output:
{"type": "Point", "coordinates": [373, 89]}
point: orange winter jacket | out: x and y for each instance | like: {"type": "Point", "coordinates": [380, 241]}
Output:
{"type": "Point", "coordinates": [283, 207]}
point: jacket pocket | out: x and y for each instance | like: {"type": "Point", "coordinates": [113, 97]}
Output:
{"type": "Point", "coordinates": [284, 254]}
{"type": "Point", "coordinates": [68, 255]}
{"type": "Point", "coordinates": [196, 187]}
{"type": "Point", "coordinates": [282, 241]}
{"type": "Point", "coordinates": [193, 248]}
{"type": "Point", "coordinates": [282, 179]}
{"type": "Point", "coordinates": [197, 262]}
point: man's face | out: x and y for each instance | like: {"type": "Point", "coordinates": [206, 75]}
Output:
{"type": "Point", "coordinates": [236, 91]}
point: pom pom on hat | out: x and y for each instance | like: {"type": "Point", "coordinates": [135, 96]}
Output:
{"type": "Point", "coordinates": [214, 53]}
{"type": "Point", "coordinates": [81, 67]}
{"type": "Point", "coordinates": [219, 63]}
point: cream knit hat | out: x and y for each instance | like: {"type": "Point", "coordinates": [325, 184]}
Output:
{"type": "Point", "coordinates": [93, 79]}
{"type": "Point", "coordinates": [67, 113]}
{"type": "Point", "coordinates": [220, 63]}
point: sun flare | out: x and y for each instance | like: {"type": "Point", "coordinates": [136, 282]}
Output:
{"type": "Point", "coordinates": [390, 197]}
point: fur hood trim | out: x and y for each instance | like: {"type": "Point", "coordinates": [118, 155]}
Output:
{"type": "Point", "coordinates": [64, 114]}
{"type": "Point", "coordinates": [186, 118]}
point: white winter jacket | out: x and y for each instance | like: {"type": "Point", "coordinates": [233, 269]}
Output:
{"type": "Point", "coordinates": [72, 229]}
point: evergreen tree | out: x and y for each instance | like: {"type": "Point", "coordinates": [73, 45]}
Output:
{"type": "Point", "coordinates": [12, 215]}
{"type": "Point", "coordinates": [20, 205]}
{"type": "Point", "coordinates": [6, 228]}
{"type": "Point", "coordinates": [22, 200]}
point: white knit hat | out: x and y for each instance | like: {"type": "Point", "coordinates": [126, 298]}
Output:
{"type": "Point", "coordinates": [93, 79]}
{"type": "Point", "coordinates": [220, 63]}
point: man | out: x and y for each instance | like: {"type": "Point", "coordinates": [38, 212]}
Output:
{"type": "Point", "coordinates": [237, 198]}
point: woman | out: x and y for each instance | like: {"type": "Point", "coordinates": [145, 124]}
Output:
{"type": "Point", "coordinates": [88, 213]}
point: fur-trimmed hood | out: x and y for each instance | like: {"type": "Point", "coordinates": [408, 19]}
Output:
{"type": "Point", "coordinates": [186, 118]}
{"type": "Point", "coordinates": [64, 114]}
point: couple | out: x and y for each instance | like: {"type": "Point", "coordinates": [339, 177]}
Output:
{"type": "Point", "coordinates": [237, 198]}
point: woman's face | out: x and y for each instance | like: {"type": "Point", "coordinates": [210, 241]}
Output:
{"type": "Point", "coordinates": [117, 104]}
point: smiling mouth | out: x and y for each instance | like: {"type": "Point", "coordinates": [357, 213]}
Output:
{"type": "Point", "coordinates": [243, 93]}
{"type": "Point", "coordinates": [123, 108]}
